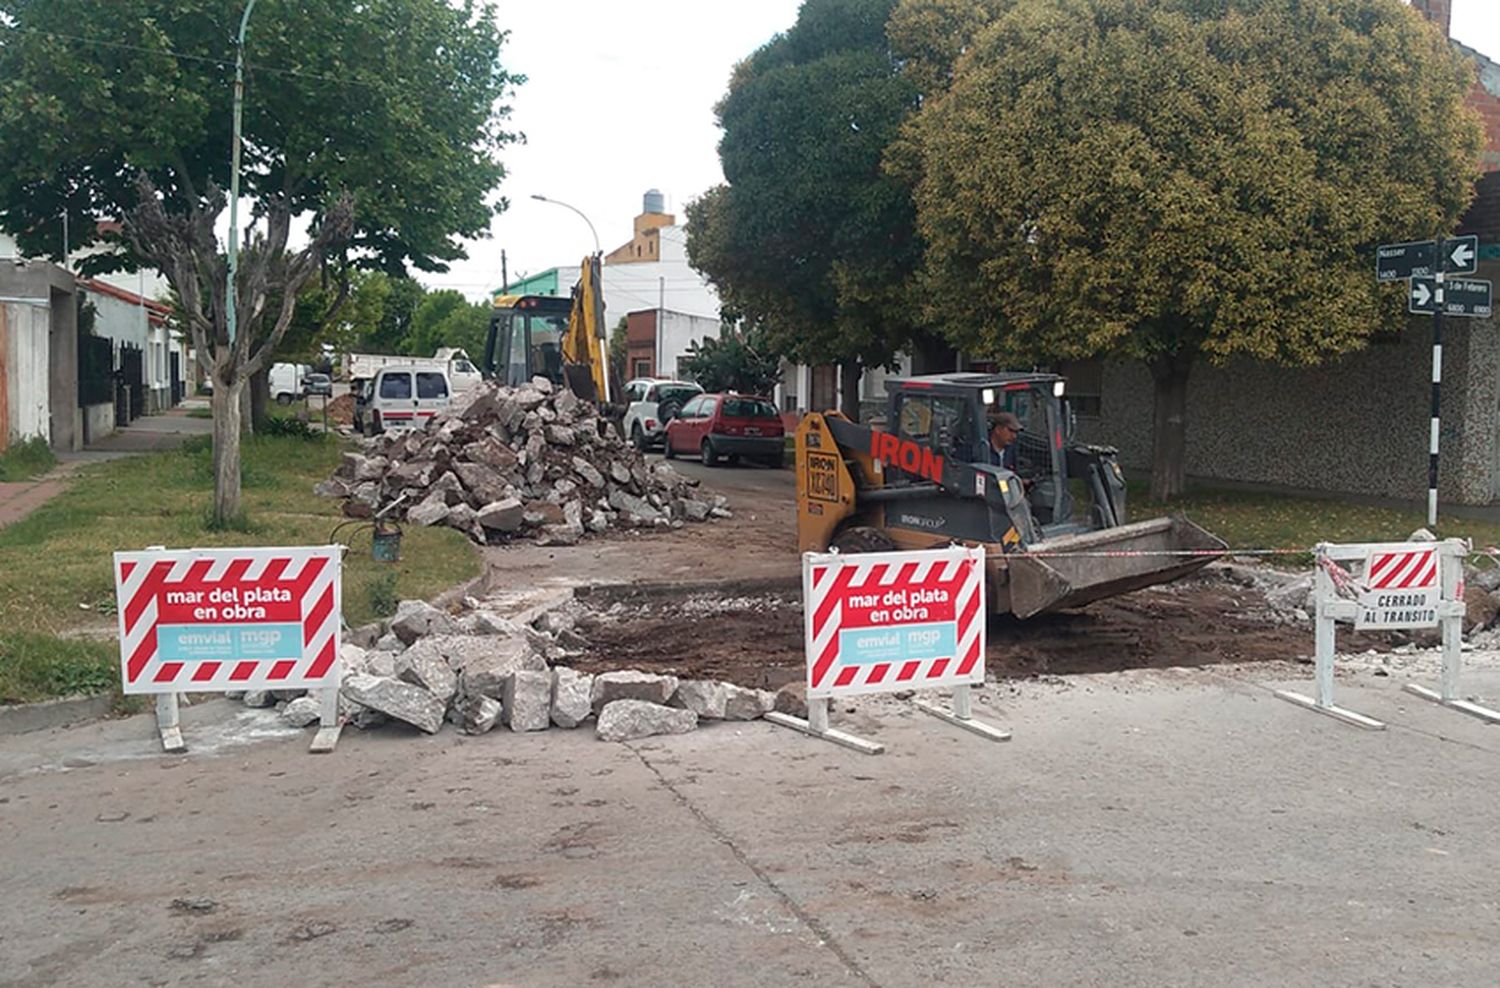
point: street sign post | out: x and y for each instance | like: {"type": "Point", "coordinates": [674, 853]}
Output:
{"type": "Point", "coordinates": [1431, 291]}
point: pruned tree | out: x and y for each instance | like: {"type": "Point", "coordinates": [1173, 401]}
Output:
{"type": "Point", "coordinates": [809, 236]}
{"type": "Point", "coordinates": [1177, 181]}
{"type": "Point", "coordinates": [378, 131]}
{"type": "Point", "coordinates": [739, 359]}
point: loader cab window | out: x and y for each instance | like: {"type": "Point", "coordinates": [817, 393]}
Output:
{"type": "Point", "coordinates": [944, 422]}
{"type": "Point", "coordinates": [514, 328]}
{"type": "Point", "coordinates": [546, 345]}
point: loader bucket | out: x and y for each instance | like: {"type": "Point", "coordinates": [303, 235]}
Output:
{"type": "Point", "coordinates": [1040, 581]}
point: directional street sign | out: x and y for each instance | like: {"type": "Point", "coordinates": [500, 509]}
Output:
{"type": "Point", "coordinates": [1461, 297]}
{"type": "Point", "coordinates": [1396, 261]}
{"type": "Point", "coordinates": [1423, 296]}
{"type": "Point", "coordinates": [1461, 255]}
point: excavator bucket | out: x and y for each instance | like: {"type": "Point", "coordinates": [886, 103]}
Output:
{"type": "Point", "coordinates": [1048, 576]}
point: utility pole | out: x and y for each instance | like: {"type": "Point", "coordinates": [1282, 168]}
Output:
{"type": "Point", "coordinates": [661, 319]}
{"type": "Point", "coordinates": [504, 277]}
{"type": "Point", "coordinates": [231, 316]}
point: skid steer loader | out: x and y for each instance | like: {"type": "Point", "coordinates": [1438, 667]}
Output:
{"type": "Point", "coordinates": [930, 479]}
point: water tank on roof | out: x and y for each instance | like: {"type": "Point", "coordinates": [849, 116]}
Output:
{"type": "Point", "coordinates": [655, 202]}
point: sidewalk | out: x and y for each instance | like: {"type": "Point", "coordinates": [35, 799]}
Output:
{"type": "Point", "coordinates": [149, 434]}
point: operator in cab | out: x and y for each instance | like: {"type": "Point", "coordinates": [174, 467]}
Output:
{"type": "Point", "coordinates": [1005, 429]}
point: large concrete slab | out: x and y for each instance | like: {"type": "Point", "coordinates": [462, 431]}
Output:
{"type": "Point", "coordinates": [1162, 829]}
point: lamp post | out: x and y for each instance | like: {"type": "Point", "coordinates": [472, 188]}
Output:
{"type": "Point", "coordinates": [231, 317]}
{"type": "Point", "coordinates": [558, 202]}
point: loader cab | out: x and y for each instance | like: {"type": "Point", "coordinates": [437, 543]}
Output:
{"type": "Point", "coordinates": [525, 339]}
{"type": "Point", "coordinates": [954, 412]}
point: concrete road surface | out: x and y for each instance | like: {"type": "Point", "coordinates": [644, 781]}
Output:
{"type": "Point", "coordinates": [1171, 828]}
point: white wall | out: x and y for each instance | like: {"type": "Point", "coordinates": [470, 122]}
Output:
{"type": "Point", "coordinates": [27, 365]}
{"type": "Point", "coordinates": [679, 330]}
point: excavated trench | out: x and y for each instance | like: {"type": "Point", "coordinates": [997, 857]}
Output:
{"type": "Point", "coordinates": [751, 632]}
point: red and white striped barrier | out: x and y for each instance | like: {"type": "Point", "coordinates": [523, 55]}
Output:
{"type": "Point", "coordinates": [878, 622]}
{"type": "Point", "coordinates": [228, 619]}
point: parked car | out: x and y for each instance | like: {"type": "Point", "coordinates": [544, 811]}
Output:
{"type": "Point", "coordinates": [728, 426]}
{"type": "Point", "coordinates": [650, 404]}
{"type": "Point", "coordinates": [404, 396]}
{"type": "Point", "coordinates": [317, 384]}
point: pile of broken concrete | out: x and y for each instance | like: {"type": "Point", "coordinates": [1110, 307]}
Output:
{"type": "Point", "coordinates": [505, 463]}
{"type": "Point", "coordinates": [479, 670]}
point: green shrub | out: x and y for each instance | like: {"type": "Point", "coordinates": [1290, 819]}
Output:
{"type": "Point", "coordinates": [26, 459]}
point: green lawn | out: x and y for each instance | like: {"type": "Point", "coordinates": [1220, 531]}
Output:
{"type": "Point", "coordinates": [55, 566]}
{"type": "Point", "coordinates": [25, 460]}
{"type": "Point", "coordinates": [1251, 520]}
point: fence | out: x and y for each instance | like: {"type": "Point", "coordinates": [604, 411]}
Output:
{"type": "Point", "coordinates": [96, 370]}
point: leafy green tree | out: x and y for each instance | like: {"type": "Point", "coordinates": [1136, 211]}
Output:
{"type": "Point", "coordinates": [378, 128]}
{"type": "Point", "coordinates": [740, 360]}
{"type": "Point", "coordinates": [446, 318]}
{"type": "Point", "coordinates": [809, 236]}
{"type": "Point", "coordinates": [394, 326]}
{"type": "Point", "coordinates": [1180, 180]}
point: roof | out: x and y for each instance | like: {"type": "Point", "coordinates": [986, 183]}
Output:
{"type": "Point", "coordinates": [158, 312]}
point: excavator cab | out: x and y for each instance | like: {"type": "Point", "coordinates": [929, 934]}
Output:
{"type": "Point", "coordinates": [1050, 511]}
{"type": "Point", "coordinates": [561, 339]}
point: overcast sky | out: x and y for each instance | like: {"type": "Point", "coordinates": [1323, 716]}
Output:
{"type": "Point", "coordinates": [619, 99]}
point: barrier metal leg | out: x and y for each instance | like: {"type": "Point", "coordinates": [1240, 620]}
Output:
{"type": "Point", "coordinates": [1323, 631]}
{"type": "Point", "coordinates": [1447, 695]}
{"type": "Point", "coordinates": [817, 726]}
{"type": "Point", "coordinates": [962, 715]}
{"type": "Point", "coordinates": [169, 724]}
{"type": "Point", "coordinates": [328, 725]}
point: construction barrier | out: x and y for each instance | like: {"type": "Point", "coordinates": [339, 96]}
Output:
{"type": "Point", "coordinates": [1389, 586]}
{"type": "Point", "coordinates": [212, 620]}
{"type": "Point", "coordinates": [881, 622]}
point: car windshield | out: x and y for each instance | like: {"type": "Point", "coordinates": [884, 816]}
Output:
{"type": "Point", "coordinates": [676, 392]}
{"type": "Point", "coordinates": [748, 408]}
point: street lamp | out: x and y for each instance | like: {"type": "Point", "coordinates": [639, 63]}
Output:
{"type": "Point", "coordinates": [231, 316]}
{"type": "Point", "coordinates": [557, 202]}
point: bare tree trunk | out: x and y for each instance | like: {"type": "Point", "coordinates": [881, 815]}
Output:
{"type": "Point", "coordinates": [227, 408]}
{"type": "Point", "coordinates": [849, 389]}
{"type": "Point", "coordinates": [260, 400]}
{"type": "Point", "coordinates": [1169, 426]}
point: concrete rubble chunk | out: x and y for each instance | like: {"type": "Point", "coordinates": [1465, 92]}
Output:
{"type": "Point", "coordinates": [572, 696]}
{"type": "Point", "coordinates": [259, 698]}
{"type": "Point", "coordinates": [485, 670]}
{"type": "Point", "coordinates": [631, 720]}
{"type": "Point", "coordinates": [505, 515]}
{"type": "Point", "coordinates": [588, 472]}
{"type": "Point", "coordinates": [425, 665]}
{"type": "Point", "coordinates": [747, 704]}
{"type": "Point", "coordinates": [792, 699]}
{"type": "Point", "coordinates": [637, 510]}
{"type": "Point", "coordinates": [704, 697]}
{"type": "Point", "coordinates": [416, 618]}
{"type": "Point", "coordinates": [629, 684]}
{"type": "Point", "coordinates": [431, 511]}
{"type": "Point", "coordinates": [398, 700]}
{"type": "Point", "coordinates": [302, 711]}
{"type": "Point", "coordinates": [478, 714]}
{"type": "Point", "coordinates": [528, 700]}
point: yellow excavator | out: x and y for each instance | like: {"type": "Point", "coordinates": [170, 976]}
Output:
{"type": "Point", "coordinates": [1051, 516]}
{"type": "Point", "coordinates": [561, 339]}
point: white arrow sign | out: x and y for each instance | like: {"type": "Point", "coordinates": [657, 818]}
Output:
{"type": "Point", "coordinates": [1420, 295]}
{"type": "Point", "coordinates": [1462, 255]}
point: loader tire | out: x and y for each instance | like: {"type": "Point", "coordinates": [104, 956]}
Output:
{"type": "Point", "coordinates": [862, 538]}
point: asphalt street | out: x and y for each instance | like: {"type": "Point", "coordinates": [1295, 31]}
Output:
{"type": "Point", "coordinates": [1151, 829]}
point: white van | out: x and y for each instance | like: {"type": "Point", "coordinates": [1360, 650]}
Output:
{"type": "Point", "coordinates": [404, 395]}
{"type": "Point", "coordinates": [286, 382]}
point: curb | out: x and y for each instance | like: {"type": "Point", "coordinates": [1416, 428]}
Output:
{"type": "Point", "coordinates": [23, 718]}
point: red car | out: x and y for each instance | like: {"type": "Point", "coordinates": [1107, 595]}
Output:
{"type": "Point", "coordinates": [728, 426]}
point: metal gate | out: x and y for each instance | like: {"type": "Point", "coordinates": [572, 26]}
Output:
{"type": "Point", "coordinates": [177, 383]}
{"type": "Point", "coordinates": [130, 384]}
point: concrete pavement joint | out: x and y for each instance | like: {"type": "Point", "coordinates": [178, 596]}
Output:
{"type": "Point", "coordinates": [824, 935]}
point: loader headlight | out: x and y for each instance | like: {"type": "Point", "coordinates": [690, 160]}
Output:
{"type": "Point", "coordinates": [1058, 387]}
{"type": "Point", "coordinates": [988, 394]}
